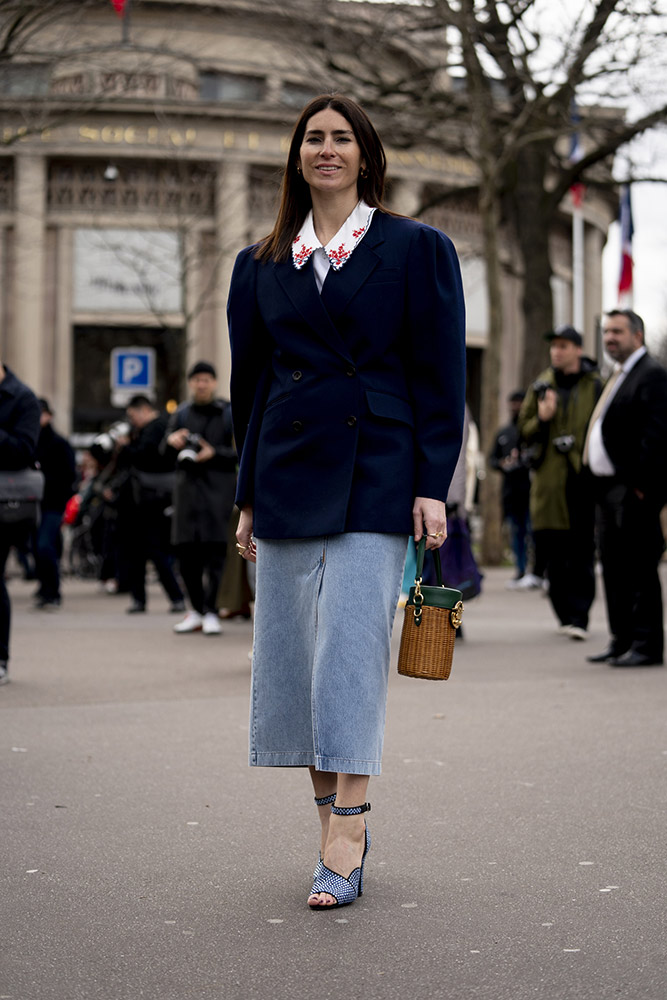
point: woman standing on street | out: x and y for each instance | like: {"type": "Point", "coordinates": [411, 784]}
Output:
{"type": "Point", "coordinates": [348, 376]}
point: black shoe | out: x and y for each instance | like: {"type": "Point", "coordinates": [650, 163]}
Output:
{"type": "Point", "coordinates": [634, 659]}
{"type": "Point", "coordinates": [609, 654]}
{"type": "Point", "coordinates": [136, 608]}
{"type": "Point", "coordinates": [177, 607]}
{"type": "Point", "coordinates": [47, 604]}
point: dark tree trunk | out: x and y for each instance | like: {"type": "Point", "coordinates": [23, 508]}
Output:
{"type": "Point", "coordinates": [532, 218]}
{"type": "Point", "coordinates": [492, 540]}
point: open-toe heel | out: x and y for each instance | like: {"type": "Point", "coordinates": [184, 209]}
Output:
{"type": "Point", "coordinates": [344, 890]}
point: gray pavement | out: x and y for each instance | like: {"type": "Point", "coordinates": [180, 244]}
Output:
{"type": "Point", "coordinates": [518, 827]}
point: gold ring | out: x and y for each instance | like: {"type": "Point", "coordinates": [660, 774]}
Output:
{"type": "Point", "coordinates": [436, 534]}
{"type": "Point", "coordinates": [241, 548]}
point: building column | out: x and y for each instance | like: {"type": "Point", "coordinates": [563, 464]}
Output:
{"type": "Point", "coordinates": [405, 196]}
{"type": "Point", "coordinates": [232, 226]}
{"type": "Point", "coordinates": [594, 244]}
{"type": "Point", "coordinates": [26, 352]}
{"type": "Point", "coordinates": [64, 349]}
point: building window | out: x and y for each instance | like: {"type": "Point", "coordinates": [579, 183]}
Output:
{"type": "Point", "coordinates": [25, 79]}
{"type": "Point", "coordinates": [296, 95]}
{"type": "Point", "coordinates": [185, 190]}
{"type": "Point", "coordinates": [231, 87]}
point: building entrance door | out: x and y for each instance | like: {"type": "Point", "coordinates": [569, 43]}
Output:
{"type": "Point", "coordinates": [91, 404]}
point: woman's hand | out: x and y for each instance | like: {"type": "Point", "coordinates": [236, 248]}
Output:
{"type": "Point", "coordinates": [244, 536]}
{"type": "Point", "coordinates": [430, 513]}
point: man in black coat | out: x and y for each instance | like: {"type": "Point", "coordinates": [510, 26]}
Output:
{"type": "Point", "coordinates": [56, 460]}
{"type": "Point", "coordinates": [626, 450]}
{"type": "Point", "coordinates": [151, 484]}
{"type": "Point", "coordinates": [19, 430]}
{"type": "Point", "coordinates": [200, 431]}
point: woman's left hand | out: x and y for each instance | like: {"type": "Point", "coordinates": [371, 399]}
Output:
{"type": "Point", "coordinates": [429, 515]}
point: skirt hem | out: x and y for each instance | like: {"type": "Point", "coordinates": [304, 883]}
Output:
{"type": "Point", "coordinates": [341, 765]}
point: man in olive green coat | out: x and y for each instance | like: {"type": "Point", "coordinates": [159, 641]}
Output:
{"type": "Point", "coordinates": [553, 421]}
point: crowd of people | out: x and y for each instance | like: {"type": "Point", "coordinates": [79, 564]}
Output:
{"type": "Point", "coordinates": [582, 468]}
{"type": "Point", "coordinates": [584, 473]}
{"type": "Point", "coordinates": [151, 490]}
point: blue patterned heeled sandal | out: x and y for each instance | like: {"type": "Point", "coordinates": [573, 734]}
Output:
{"type": "Point", "coordinates": [326, 800]}
{"type": "Point", "coordinates": [344, 890]}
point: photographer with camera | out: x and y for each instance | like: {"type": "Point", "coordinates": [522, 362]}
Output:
{"type": "Point", "coordinates": [553, 422]}
{"type": "Point", "coordinates": [200, 431]}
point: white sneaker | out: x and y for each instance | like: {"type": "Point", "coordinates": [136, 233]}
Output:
{"type": "Point", "coordinates": [192, 622]}
{"type": "Point", "coordinates": [577, 632]}
{"type": "Point", "coordinates": [529, 582]}
{"type": "Point", "coordinates": [211, 625]}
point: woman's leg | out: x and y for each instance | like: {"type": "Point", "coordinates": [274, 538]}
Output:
{"type": "Point", "coordinates": [346, 835]}
{"type": "Point", "coordinates": [324, 784]}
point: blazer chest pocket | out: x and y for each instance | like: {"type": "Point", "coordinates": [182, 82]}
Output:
{"type": "Point", "coordinates": [383, 404]}
{"type": "Point", "coordinates": [384, 275]}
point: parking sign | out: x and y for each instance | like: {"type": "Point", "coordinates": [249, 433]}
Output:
{"type": "Point", "coordinates": [132, 372]}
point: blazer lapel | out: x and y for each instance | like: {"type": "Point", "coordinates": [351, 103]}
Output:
{"type": "Point", "coordinates": [340, 286]}
{"type": "Point", "coordinates": [302, 290]}
{"type": "Point", "coordinates": [321, 311]}
{"type": "Point", "coordinates": [626, 388]}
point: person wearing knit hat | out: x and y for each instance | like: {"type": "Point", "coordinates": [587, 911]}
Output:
{"type": "Point", "coordinates": [202, 368]}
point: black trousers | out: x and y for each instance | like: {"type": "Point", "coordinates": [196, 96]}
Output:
{"type": "Point", "coordinates": [631, 546]}
{"type": "Point", "coordinates": [202, 565]}
{"type": "Point", "coordinates": [14, 534]}
{"type": "Point", "coordinates": [150, 540]}
{"type": "Point", "coordinates": [568, 556]}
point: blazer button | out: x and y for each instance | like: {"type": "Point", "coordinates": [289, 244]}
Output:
{"type": "Point", "coordinates": [296, 376]}
{"type": "Point", "coordinates": [351, 421]}
{"type": "Point", "coordinates": [351, 371]}
{"type": "Point", "coordinates": [297, 426]}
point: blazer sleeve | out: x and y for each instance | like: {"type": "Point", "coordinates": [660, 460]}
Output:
{"type": "Point", "coordinates": [652, 440]}
{"type": "Point", "coordinates": [18, 441]}
{"type": "Point", "coordinates": [251, 354]}
{"type": "Point", "coordinates": [436, 358]}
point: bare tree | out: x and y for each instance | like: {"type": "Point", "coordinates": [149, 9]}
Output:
{"type": "Point", "coordinates": [496, 80]}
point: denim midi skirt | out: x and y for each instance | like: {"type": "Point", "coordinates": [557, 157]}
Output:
{"type": "Point", "coordinates": [324, 611]}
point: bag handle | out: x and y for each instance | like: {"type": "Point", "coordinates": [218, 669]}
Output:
{"type": "Point", "coordinates": [421, 551]}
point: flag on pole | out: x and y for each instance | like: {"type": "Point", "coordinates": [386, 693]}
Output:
{"type": "Point", "coordinates": [119, 6]}
{"type": "Point", "coordinates": [627, 231]}
{"type": "Point", "coordinates": [578, 190]}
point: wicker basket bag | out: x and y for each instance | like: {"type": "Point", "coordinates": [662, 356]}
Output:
{"type": "Point", "coordinates": [432, 616]}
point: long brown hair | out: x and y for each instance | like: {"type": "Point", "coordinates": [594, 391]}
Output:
{"type": "Point", "coordinates": [295, 200]}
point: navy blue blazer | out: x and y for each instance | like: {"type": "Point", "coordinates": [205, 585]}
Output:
{"type": "Point", "coordinates": [348, 404]}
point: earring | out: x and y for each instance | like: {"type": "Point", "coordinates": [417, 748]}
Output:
{"type": "Point", "coordinates": [363, 172]}
{"type": "Point", "coordinates": [298, 169]}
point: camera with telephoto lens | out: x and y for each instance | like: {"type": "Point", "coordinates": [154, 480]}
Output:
{"type": "Point", "coordinates": [191, 449]}
{"type": "Point", "coordinates": [564, 443]}
{"type": "Point", "coordinates": [540, 388]}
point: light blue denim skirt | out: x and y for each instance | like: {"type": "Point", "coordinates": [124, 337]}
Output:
{"type": "Point", "coordinates": [324, 611]}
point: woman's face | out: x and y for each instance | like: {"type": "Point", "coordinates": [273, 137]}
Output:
{"type": "Point", "coordinates": [330, 157]}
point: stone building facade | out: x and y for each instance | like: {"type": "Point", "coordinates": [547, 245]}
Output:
{"type": "Point", "coordinates": [138, 156]}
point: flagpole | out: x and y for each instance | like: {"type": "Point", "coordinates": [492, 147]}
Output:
{"type": "Point", "coordinates": [126, 23]}
{"type": "Point", "coordinates": [577, 266]}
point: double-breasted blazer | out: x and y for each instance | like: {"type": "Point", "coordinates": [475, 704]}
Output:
{"type": "Point", "coordinates": [348, 404]}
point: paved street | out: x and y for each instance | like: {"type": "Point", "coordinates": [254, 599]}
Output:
{"type": "Point", "coordinates": [519, 827]}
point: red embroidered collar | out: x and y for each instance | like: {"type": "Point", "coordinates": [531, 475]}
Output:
{"type": "Point", "coordinates": [339, 249]}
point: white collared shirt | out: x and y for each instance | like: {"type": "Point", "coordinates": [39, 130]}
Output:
{"type": "Point", "coordinates": [338, 250]}
{"type": "Point", "coordinates": [599, 461]}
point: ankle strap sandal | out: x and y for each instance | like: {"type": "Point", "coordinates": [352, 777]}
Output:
{"type": "Point", "coordinates": [351, 810]}
{"type": "Point", "coordinates": [326, 800]}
